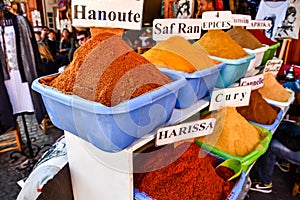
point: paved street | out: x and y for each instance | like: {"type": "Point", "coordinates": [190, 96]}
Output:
{"type": "Point", "coordinates": [9, 169]}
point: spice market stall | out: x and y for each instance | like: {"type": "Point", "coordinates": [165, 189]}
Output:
{"type": "Point", "coordinates": [157, 125]}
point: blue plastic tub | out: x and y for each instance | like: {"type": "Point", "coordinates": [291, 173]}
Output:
{"type": "Point", "coordinates": [199, 85]}
{"type": "Point", "coordinates": [273, 126]}
{"type": "Point", "coordinates": [233, 71]}
{"type": "Point", "coordinates": [111, 129]}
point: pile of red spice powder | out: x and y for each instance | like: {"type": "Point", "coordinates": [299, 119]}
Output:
{"type": "Point", "coordinates": [185, 172]}
{"type": "Point", "coordinates": [262, 37]}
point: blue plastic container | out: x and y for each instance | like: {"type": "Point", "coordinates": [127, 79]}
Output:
{"type": "Point", "coordinates": [111, 129]}
{"type": "Point", "coordinates": [199, 84]}
{"type": "Point", "coordinates": [233, 71]}
{"type": "Point", "coordinates": [273, 126]}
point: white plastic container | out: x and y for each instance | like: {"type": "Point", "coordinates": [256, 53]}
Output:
{"type": "Point", "coordinates": [283, 105]}
{"type": "Point", "coordinates": [259, 54]}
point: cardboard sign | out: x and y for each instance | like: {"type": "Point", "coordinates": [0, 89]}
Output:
{"type": "Point", "coordinates": [187, 28]}
{"type": "Point", "coordinates": [216, 20]}
{"type": "Point", "coordinates": [235, 96]}
{"type": "Point", "coordinates": [112, 13]}
{"type": "Point", "coordinates": [273, 66]}
{"type": "Point", "coordinates": [255, 81]}
{"type": "Point", "coordinates": [260, 24]}
{"type": "Point", "coordinates": [171, 134]}
{"type": "Point", "coordinates": [240, 20]}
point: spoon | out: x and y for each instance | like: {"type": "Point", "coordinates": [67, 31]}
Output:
{"type": "Point", "coordinates": [233, 164]}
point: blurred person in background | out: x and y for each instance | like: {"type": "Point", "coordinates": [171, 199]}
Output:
{"type": "Point", "coordinates": [66, 43]}
{"type": "Point", "coordinates": [205, 5]}
{"type": "Point", "coordinates": [283, 150]}
{"type": "Point", "coordinates": [47, 64]}
{"type": "Point", "coordinates": [81, 37]}
{"type": "Point", "coordinates": [38, 37]}
{"type": "Point", "coordinates": [44, 33]}
{"type": "Point", "coordinates": [136, 44]}
{"type": "Point", "coordinates": [284, 146]}
{"type": "Point", "coordinates": [53, 44]}
{"type": "Point", "coordinates": [149, 43]}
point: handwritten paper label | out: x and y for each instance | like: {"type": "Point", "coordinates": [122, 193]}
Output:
{"type": "Point", "coordinates": [112, 13]}
{"type": "Point", "coordinates": [273, 66]}
{"type": "Point", "coordinates": [171, 134]}
{"type": "Point", "coordinates": [216, 20]}
{"type": "Point", "coordinates": [235, 96]}
{"type": "Point", "coordinates": [240, 20]}
{"type": "Point", "coordinates": [255, 81]}
{"type": "Point", "coordinates": [260, 24]}
{"type": "Point", "coordinates": [187, 28]}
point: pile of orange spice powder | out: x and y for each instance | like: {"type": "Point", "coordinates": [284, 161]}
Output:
{"type": "Point", "coordinates": [184, 172]}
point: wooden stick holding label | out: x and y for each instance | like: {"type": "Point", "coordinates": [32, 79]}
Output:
{"type": "Point", "coordinates": [283, 48]}
{"type": "Point", "coordinates": [287, 51]}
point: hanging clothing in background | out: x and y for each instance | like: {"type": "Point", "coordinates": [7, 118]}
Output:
{"type": "Point", "coordinates": [252, 6]}
{"type": "Point", "coordinates": [18, 91]}
{"type": "Point", "coordinates": [23, 58]}
{"type": "Point", "coordinates": [290, 25]}
{"type": "Point", "coordinates": [7, 121]}
{"type": "Point", "coordinates": [274, 11]}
